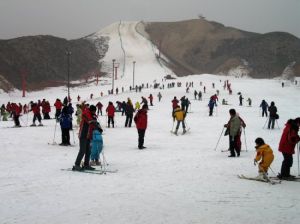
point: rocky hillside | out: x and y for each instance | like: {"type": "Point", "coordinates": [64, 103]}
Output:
{"type": "Point", "coordinates": [200, 46]}
{"type": "Point", "coordinates": [44, 60]}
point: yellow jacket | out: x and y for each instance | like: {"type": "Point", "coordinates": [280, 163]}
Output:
{"type": "Point", "coordinates": [137, 105]}
{"type": "Point", "coordinates": [264, 153]}
{"type": "Point", "coordinates": [179, 114]}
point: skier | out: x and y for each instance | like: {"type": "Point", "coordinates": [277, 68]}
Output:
{"type": "Point", "coordinates": [264, 154]}
{"type": "Point", "coordinates": [137, 105]}
{"type": "Point", "coordinates": [195, 94]}
{"type": "Point", "coordinates": [58, 106]}
{"type": "Point", "coordinates": [84, 141]}
{"type": "Point", "coordinates": [224, 102]}
{"type": "Point", "coordinates": [151, 99]}
{"type": "Point", "coordinates": [179, 115]}
{"type": "Point", "coordinates": [159, 96]}
{"type": "Point", "coordinates": [241, 99]}
{"type": "Point", "coordinates": [200, 95]}
{"type": "Point", "coordinates": [46, 108]}
{"type": "Point", "coordinates": [78, 113]}
{"type": "Point", "coordinates": [249, 101]}
{"type": "Point", "coordinates": [144, 102]}
{"type": "Point", "coordinates": [174, 103]}
{"type": "Point", "coordinates": [16, 110]}
{"type": "Point", "coordinates": [211, 104]}
{"type": "Point", "coordinates": [99, 106]}
{"type": "Point", "coordinates": [110, 110]}
{"type": "Point", "coordinates": [65, 120]}
{"type": "Point", "coordinates": [35, 108]}
{"type": "Point", "coordinates": [129, 110]}
{"type": "Point", "coordinates": [96, 145]}
{"type": "Point", "coordinates": [272, 115]}
{"type": "Point", "coordinates": [141, 120]}
{"type": "Point", "coordinates": [234, 131]}
{"type": "Point", "coordinates": [288, 141]}
{"type": "Point", "coordinates": [264, 106]}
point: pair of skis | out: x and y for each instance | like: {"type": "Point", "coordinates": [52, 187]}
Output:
{"type": "Point", "coordinates": [266, 180]}
{"type": "Point", "coordinates": [96, 171]}
{"type": "Point", "coordinates": [186, 131]}
{"type": "Point", "coordinates": [270, 180]}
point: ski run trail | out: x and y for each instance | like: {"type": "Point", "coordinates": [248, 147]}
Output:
{"type": "Point", "coordinates": [176, 179]}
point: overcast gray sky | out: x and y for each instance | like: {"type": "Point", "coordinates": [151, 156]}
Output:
{"type": "Point", "coordinates": [77, 18]}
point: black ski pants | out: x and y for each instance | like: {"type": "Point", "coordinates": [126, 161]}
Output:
{"type": "Point", "coordinates": [111, 120]}
{"type": "Point", "coordinates": [84, 150]}
{"type": "Point", "coordinates": [65, 136]}
{"type": "Point", "coordinates": [233, 147]}
{"type": "Point", "coordinates": [286, 164]}
{"type": "Point", "coordinates": [271, 123]}
{"type": "Point", "coordinates": [128, 121]}
{"type": "Point", "coordinates": [141, 133]}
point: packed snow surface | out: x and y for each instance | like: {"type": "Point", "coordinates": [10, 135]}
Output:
{"type": "Point", "coordinates": [177, 179]}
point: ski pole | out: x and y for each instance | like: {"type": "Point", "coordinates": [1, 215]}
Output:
{"type": "Point", "coordinates": [277, 124]}
{"type": "Point", "coordinates": [219, 139]}
{"type": "Point", "coordinates": [73, 136]}
{"type": "Point", "coordinates": [272, 170]}
{"type": "Point", "coordinates": [53, 142]}
{"type": "Point", "coordinates": [245, 140]}
{"type": "Point", "coordinates": [265, 123]}
{"type": "Point", "coordinates": [173, 125]}
{"type": "Point", "coordinates": [298, 146]}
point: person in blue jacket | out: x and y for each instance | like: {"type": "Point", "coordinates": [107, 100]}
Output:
{"type": "Point", "coordinates": [96, 146]}
{"type": "Point", "coordinates": [65, 120]}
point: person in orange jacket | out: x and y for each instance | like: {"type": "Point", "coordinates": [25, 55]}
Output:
{"type": "Point", "coordinates": [265, 155]}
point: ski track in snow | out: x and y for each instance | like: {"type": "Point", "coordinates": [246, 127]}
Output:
{"type": "Point", "coordinates": [177, 179]}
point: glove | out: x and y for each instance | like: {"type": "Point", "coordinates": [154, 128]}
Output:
{"type": "Point", "coordinates": [255, 162]}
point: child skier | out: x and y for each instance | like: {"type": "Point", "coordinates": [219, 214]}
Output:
{"type": "Point", "coordinates": [96, 145]}
{"type": "Point", "coordinates": [179, 115]}
{"type": "Point", "coordinates": [264, 154]}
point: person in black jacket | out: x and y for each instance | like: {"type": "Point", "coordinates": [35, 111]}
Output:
{"type": "Point", "coordinates": [272, 115]}
{"type": "Point", "coordinates": [264, 106]}
{"type": "Point", "coordinates": [129, 110]}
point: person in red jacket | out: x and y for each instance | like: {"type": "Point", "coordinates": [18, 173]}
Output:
{"type": "Point", "coordinates": [110, 110]}
{"type": "Point", "coordinates": [58, 106]}
{"type": "Point", "coordinates": [16, 111]}
{"type": "Point", "coordinates": [174, 103]}
{"type": "Point", "coordinates": [87, 119]}
{"type": "Point", "coordinates": [36, 114]}
{"type": "Point", "coordinates": [288, 141]}
{"type": "Point", "coordinates": [46, 109]}
{"type": "Point", "coordinates": [141, 120]}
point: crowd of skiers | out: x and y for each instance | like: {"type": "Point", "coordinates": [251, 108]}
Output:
{"type": "Point", "coordinates": [90, 131]}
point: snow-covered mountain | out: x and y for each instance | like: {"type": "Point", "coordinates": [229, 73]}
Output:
{"type": "Point", "coordinates": [127, 46]}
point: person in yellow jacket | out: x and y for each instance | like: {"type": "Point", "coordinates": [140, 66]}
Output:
{"type": "Point", "coordinates": [137, 105]}
{"type": "Point", "coordinates": [179, 115]}
{"type": "Point", "coordinates": [264, 154]}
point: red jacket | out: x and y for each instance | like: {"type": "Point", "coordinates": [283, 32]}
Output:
{"type": "Point", "coordinates": [35, 108]}
{"type": "Point", "coordinates": [140, 119]}
{"type": "Point", "coordinates": [86, 118]}
{"type": "Point", "coordinates": [110, 110]}
{"type": "Point", "coordinates": [175, 103]}
{"type": "Point", "coordinates": [58, 105]}
{"type": "Point", "coordinates": [46, 108]}
{"type": "Point", "coordinates": [289, 139]}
